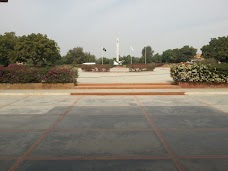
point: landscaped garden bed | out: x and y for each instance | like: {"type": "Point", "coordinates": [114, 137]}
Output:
{"type": "Point", "coordinates": [141, 67]}
{"type": "Point", "coordinates": [96, 68]}
{"type": "Point", "coordinates": [24, 77]}
{"type": "Point", "coordinates": [200, 75]}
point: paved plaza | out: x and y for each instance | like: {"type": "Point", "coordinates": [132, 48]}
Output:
{"type": "Point", "coordinates": [114, 133]}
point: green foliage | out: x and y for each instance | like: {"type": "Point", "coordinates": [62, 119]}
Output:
{"type": "Point", "coordinates": [147, 53]}
{"type": "Point", "coordinates": [217, 49]}
{"type": "Point", "coordinates": [141, 67]}
{"type": "Point", "coordinates": [7, 44]}
{"type": "Point", "coordinates": [157, 58]}
{"type": "Point", "coordinates": [61, 75]}
{"type": "Point", "coordinates": [78, 56]}
{"type": "Point", "coordinates": [24, 74]}
{"type": "Point", "coordinates": [200, 73]}
{"type": "Point", "coordinates": [184, 54]}
{"type": "Point", "coordinates": [96, 68]}
{"type": "Point", "coordinates": [38, 48]}
{"type": "Point", "coordinates": [106, 61]}
{"type": "Point", "coordinates": [208, 61]}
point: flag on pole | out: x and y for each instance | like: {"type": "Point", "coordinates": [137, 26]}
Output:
{"type": "Point", "coordinates": [132, 48]}
{"type": "Point", "coordinates": [104, 49]}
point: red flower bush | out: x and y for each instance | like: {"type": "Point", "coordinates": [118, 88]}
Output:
{"type": "Point", "coordinates": [24, 74]}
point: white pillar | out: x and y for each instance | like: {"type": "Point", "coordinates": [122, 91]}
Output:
{"type": "Point", "coordinates": [117, 50]}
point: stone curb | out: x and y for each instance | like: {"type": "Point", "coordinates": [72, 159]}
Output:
{"type": "Point", "coordinates": [34, 94]}
{"type": "Point", "coordinates": [69, 93]}
{"type": "Point", "coordinates": [206, 93]}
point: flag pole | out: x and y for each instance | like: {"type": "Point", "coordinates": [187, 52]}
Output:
{"type": "Point", "coordinates": [131, 54]}
{"type": "Point", "coordinates": [145, 54]}
{"type": "Point", "coordinates": [102, 55]}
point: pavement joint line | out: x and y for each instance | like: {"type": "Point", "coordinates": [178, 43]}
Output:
{"type": "Point", "coordinates": [105, 158]}
{"type": "Point", "coordinates": [161, 137]}
{"type": "Point", "coordinates": [41, 138]}
{"type": "Point", "coordinates": [204, 157]}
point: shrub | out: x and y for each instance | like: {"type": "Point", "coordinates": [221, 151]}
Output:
{"type": "Point", "coordinates": [60, 75]}
{"type": "Point", "coordinates": [96, 68]}
{"type": "Point", "coordinates": [141, 67]}
{"type": "Point", "coordinates": [18, 74]}
{"type": "Point", "coordinates": [200, 73]}
{"type": "Point", "coordinates": [24, 74]}
{"type": "Point", "coordinates": [159, 64]}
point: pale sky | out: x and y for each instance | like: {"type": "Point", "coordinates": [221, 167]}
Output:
{"type": "Point", "coordinates": [91, 24]}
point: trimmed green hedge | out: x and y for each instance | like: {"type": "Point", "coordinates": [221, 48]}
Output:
{"type": "Point", "coordinates": [24, 74]}
{"type": "Point", "coordinates": [217, 73]}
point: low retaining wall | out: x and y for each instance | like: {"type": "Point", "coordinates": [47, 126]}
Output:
{"type": "Point", "coordinates": [37, 86]}
{"type": "Point", "coordinates": [202, 85]}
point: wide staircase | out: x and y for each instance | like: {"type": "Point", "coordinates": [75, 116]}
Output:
{"type": "Point", "coordinates": [128, 89]}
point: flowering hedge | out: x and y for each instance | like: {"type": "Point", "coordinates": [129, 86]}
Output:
{"type": "Point", "coordinates": [200, 73]}
{"type": "Point", "coordinates": [96, 68]}
{"type": "Point", "coordinates": [141, 67]}
{"type": "Point", "coordinates": [24, 74]}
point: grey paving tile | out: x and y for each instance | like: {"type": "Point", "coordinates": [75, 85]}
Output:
{"type": "Point", "coordinates": [100, 143]}
{"type": "Point", "coordinates": [25, 109]}
{"type": "Point", "coordinates": [198, 142]}
{"type": "Point", "coordinates": [205, 164]}
{"type": "Point", "coordinates": [58, 110]}
{"type": "Point", "coordinates": [26, 122]}
{"type": "Point", "coordinates": [106, 110]}
{"type": "Point", "coordinates": [223, 108]}
{"type": "Point", "coordinates": [104, 122]}
{"type": "Point", "coordinates": [141, 165]}
{"type": "Point", "coordinates": [52, 101]}
{"type": "Point", "coordinates": [169, 101]}
{"type": "Point", "coordinates": [182, 110]}
{"type": "Point", "coordinates": [5, 164]}
{"type": "Point", "coordinates": [107, 101]}
{"type": "Point", "coordinates": [15, 144]}
{"type": "Point", "coordinates": [212, 99]}
{"type": "Point", "coordinates": [4, 102]}
{"type": "Point", "coordinates": [191, 121]}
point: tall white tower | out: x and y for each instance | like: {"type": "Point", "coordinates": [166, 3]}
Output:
{"type": "Point", "coordinates": [117, 49]}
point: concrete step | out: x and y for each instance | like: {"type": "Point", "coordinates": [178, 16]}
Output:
{"type": "Point", "coordinates": [126, 93]}
{"type": "Point", "coordinates": [102, 89]}
{"type": "Point", "coordinates": [128, 86]}
{"type": "Point", "coordinates": [124, 84]}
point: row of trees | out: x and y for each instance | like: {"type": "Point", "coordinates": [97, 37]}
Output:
{"type": "Point", "coordinates": [39, 50]}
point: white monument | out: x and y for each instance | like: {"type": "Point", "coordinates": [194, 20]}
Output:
{"type": "Point", "coordinates": [117, 61]}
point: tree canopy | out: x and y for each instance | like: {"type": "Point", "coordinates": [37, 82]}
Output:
{"type": "Point", "coordinates": [147, 54]}
{"type": "Point", "coordinates": [78, 56]}
{"type": "Point", "coordinates": [7, 44]}
{"type": "Point", "coordinates": [184, 54]}
{"type": "Point", "coordinates": [217, 49]}
{"type": "Point", "coordinates": [37, 48]}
